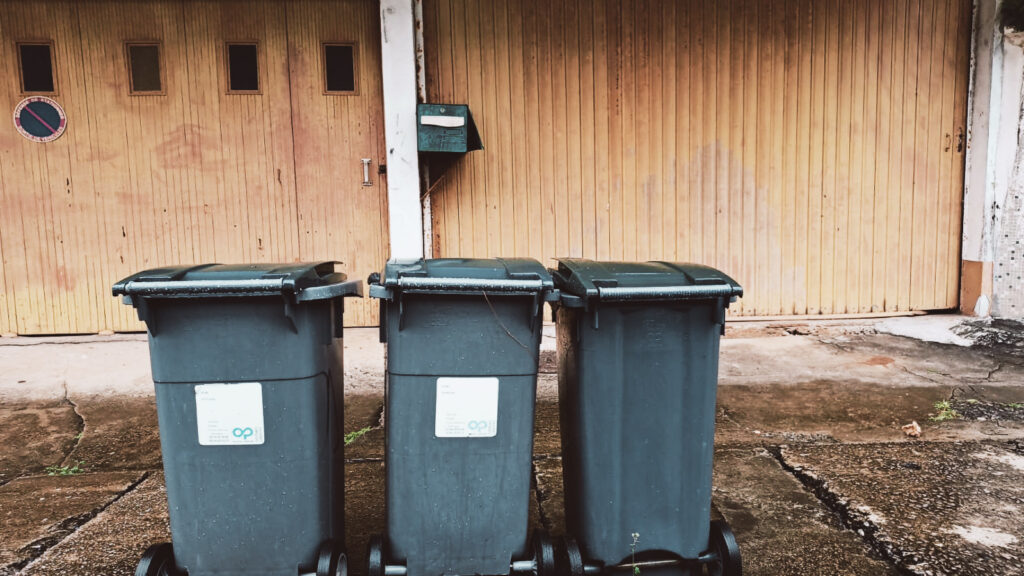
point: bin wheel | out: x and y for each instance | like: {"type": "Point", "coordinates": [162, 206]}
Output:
{"type": "Point", "coordinates": [157, 560]}
{"type": "Point", "coordinates": [570, 561]}
{"type": "Point", "coordinates": [543, 553]}
{"type": "Point", "coordinates": [326, 558]}
{"type": "Point", "coordinates": [722, 543]}
{"type": "Point", "coordinates": [375, 556]}
{"type": "Point", "coordinates": [342, 568]}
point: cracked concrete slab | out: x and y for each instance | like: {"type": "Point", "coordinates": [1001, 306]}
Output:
{"type": "Point", "coordinates": [781, 527]}
{"type": "Point", "coordinates": [547, 440]}
{"type": "Point", "coordinates": [836, 410]}
{"type": "Point", "coordinates": [789, 359]}
{"type": "Point", "coordinates": [931, 508]}
{"type": "Point", "coordinates": [547, 473]}
{"type": "Point", "coordinates": [938, 328]}
{"type": "Point", "coordinates": [535, 518]}
{"type": "Point", "coordinates": [121, 433]}
{"type": "Point", "coordinates": [112, 542]}
{"type": "Point", "coordinates": [43, 370]}
{"type": "Point", "coordinates": [1002, 406]}
{"type": "Point", "coordinates": [34, 436]}
{"type": "Point", "coordinates": [363, 411]}
{"type": "Point", "coordinates": [37, 512]}
{"type": "Point", "coordinates": [854, 411]}
{"type": "Point", "coordinates": [364, 361]}
{"type": "Point", "coordinates": [364, 510]}
{"type": "Point", "coordinates": [547, 386]}
{"type": "Point", "coordinates": [369, 446]}
{"type": "Point", "coordinates": [939, 363]}
{"type": "Point", "coordinates": [822, 388]}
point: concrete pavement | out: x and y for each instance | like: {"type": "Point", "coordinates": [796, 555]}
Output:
{"type": "Point", "coordinates": [812, 468]}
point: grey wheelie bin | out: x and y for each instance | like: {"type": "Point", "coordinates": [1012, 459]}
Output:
{"type": "Point", "coordinates": [463, 340]}
{"type": "Point", "coordinates": [638, 370]}
{"type": "Point", "coordinates": [247, 365]}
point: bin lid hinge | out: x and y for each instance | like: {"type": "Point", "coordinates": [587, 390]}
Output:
{"type": "Point", "coordinates": [537, 309]}
{"type": "Point", "coordinates": [289, 311]}
{"type": "Point", "coordinates": [401, 311]}
{"type": "Point", "coordinates": [720, 314]}
{"type": "Point", "coordinates": [142, 309]}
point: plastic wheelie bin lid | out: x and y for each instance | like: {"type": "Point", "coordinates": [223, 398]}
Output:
{"type": "Point", "coordinates": [464, 276]}
{"type": "Point", "coordinates": [304, 281]}
{"type": "Point", "coordinates": [589, 282]}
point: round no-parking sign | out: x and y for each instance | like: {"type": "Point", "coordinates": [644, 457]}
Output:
{"type": "Point", "coordinates": [40, 119]}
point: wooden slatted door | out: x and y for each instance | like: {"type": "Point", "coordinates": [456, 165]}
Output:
{"type": "Point", "coordinates": [195, 172]}
{"type": "Point", "coordinates": [43, 230]}
{"type": "Point", "coordinates": [340, 218]}
{"type": "Point", "coordinates": [813, 149]}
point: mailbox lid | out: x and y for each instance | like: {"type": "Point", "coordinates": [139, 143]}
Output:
{"type": "Point", "coordinates": [446, 128]}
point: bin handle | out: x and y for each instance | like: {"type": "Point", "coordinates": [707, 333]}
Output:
{"type": "Point", "coordinates": [471, 284]}
{"type": "Point", "coordinates": [335, 286]}
{"type": "Point", "coordinates": [613, 294]}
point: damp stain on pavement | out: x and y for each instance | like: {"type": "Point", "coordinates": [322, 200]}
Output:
{"type": "Point", "coordinates": [929, 508]}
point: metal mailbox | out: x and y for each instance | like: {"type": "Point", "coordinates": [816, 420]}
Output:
{"type": "Point", "coordinates": [446, 128]}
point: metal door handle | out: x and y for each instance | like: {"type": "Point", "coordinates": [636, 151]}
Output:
{"type": "Point", "coordinates": [366, 172]}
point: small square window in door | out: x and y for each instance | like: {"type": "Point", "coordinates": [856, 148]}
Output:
{"type": "Point", "coordinates": [144, 68]}
{"type": "Point", "coordinates": [243, 67]}
{"type": "Point", "coordinates": [36, 63]}
{"type": "Point", "coordinates": [339, 68]}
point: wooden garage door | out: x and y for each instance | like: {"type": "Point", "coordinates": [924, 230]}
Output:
{"type": "Point", "coordinates": [194, 174]}
{"type": "Point", "coordinates": [812, 149]}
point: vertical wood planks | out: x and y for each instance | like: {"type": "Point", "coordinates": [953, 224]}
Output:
{"type": "Point", "coordinates": [795, 145]}
{"type": "Point", "coordinates": [338, 217]}
{"type": "Point", "coordinates": [192, 175]}
{"type": "Point", "coordinates": [808, 148]}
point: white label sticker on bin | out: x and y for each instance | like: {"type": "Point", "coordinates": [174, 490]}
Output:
{"type": "Point", "coordinates": [466, 408]}
{"type": "Point", "coordinates": [229, 414]}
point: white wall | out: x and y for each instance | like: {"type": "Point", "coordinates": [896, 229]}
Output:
{"type": "Point", "coordinates": [993, 231]}
{"type": "Point", "coordinates": [1008, 188]}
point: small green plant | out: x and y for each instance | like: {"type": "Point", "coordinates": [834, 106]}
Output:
{"type": "Point", "coordinates": [1015, 405]}
{"type": "Point", "coordinates": [632, 552]}
{"type": "Point", "coordinates": [944, 411]}
{"type": "Point", "coordinates": [79, 435]}
{"type": "Point", "coordinates": [972, 400]}
{"type": "Point", "coordinates": [65, 470]}
{"type": "Point", "coordinates": [356, 435]}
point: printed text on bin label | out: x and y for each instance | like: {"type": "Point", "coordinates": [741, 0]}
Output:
{"type": "Point", "coordinates": [229, 414]}
{"type": "Point", "coordinates": [466, 408]}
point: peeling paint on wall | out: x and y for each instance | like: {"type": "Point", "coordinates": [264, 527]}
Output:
{"type": "Point", "coordinates": [994, 183]}
{"type": "Point", "coordinates": [1008, 211]}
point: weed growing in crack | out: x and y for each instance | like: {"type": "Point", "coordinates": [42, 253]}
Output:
{"type": "Point", "coordinates": [65, 470]}
{"type": "Point", "coordinates": [356, 435]}
{"type": "Point", "coordinates": [944, 411]}
{"type": "Point", "coordinates": [79, 436]}
{"type": "Point", "coordinates": [632, 552]}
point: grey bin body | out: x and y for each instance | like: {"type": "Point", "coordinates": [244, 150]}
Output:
{"type": "Point", "coordinates": [459, 505]}
{"type": "Point", "coordinates": [638, 369]}
{"type": "Point", "coordinates": [254, 509]}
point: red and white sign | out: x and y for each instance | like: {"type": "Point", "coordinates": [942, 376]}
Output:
{"type": "Point", "coordinates": [40, 119]}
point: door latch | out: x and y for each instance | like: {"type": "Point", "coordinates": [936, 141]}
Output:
{"type": "Point", "coordinates": [366, 172]}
